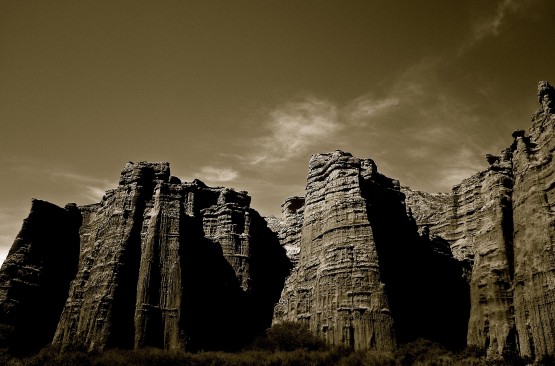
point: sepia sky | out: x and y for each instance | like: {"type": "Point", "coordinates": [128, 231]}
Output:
{"type": "Point", "coordinates": [241, 93]}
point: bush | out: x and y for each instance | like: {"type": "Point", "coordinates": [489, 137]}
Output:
{"type": "Point", "coordinates": [425, 353]}
{"type": "Point", "coordinates": [50, 356]}
{"type": "Point", "coordinates": [289, 344]}
{"type": "Point", "coordinates": [289, 336]}
{"type": "Point", "coordinates": [369, 358]}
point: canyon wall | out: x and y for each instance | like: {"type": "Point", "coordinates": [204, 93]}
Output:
{"type": "Point", "coordinates": [364, 262]}
{"type": "Point", "coordinates": [501, 222]}
{"type": "Point", "coordinates": [494, 229]}
{"type": "Point", "coordinates": [156, 263]}
{"type": "Point", "coordinates": [534, 229]}
{"type": "Point", "coordinates": [365, 278]}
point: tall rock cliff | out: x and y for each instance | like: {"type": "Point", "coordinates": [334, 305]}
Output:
{"type": "Point", "coordinates": [156, 263]}
{"type": "Point", "coordinates": [534, 229]}
{"type": "Point", "coordinates": [501, 222]}
{"type": "Point", "coordinates": [365, 278]}
{"type": "Point", "coordinates": [35, 277]}
{"type": "Point", "coordinates": [365, 263]}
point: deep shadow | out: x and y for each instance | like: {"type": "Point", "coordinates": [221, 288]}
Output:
{"type": "Point", "coordinates": [38, 272]}
{"type": "Point", "coordinates": [217, 313]}
{"type": "Point", "coordinates": [428, 295]}
{"type": "Point", "coordinates": [213, 305]}
{"type": "Point", "coordinates": [270, 266]}
{"type": "Point", "coordinates": [122, 329]}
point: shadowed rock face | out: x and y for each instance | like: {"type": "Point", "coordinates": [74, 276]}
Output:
{"type": "Point", "coordinates": [289, 227]}
{"type": "Point", "coordinates": [35, 277]}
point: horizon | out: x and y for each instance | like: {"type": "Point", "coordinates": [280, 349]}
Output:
{"type": "Point", "coordinates": [240, 94]}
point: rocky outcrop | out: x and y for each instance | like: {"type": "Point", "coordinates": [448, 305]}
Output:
{"type": "Point", "coordinates": [337, 287]}
{"type": "Point", "coordinates": [429, 210]}
{"type": "Point", "coordinates": [156, 263]}
{"type": "Point", "coordinates": [35, 277]}
{"type": "Point", "coordinates": [481, 226]}
{"type": "Point", "coordinates": [289, 226]}
{"type": "Point", "coordinates": [366, 264]}
{"type": "Point", "coordinates": [356, 235]}
{"type": "Point", "coordinates": [501, 222]}
{"type": "Point", "coordinates": [534, 230]}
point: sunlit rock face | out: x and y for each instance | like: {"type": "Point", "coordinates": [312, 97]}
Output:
{"type": "Point", "coordinates": [501, 222]}
{"type": "Point", "coordinates": [156, 263]}
{"type": "Point", "coordinates": [362, 263]}
{"type": "Point", "coordinates": [289, 226]}
{"type": "Point", "coordinates": [534, 230]}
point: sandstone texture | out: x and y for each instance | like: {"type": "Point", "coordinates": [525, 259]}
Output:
{"type": "Point", "coordinates": [156, 263]}
{"type": "Point", "coordinates": [501, 222]}
{"type": "Point", "coordinates": [534, 230]}
{"type": "Point", "coordinates": [356, 279]}
{"type": "Point", "coordinates": [366, 263]}
{"type": "Point", "coordinates": [289, 226]}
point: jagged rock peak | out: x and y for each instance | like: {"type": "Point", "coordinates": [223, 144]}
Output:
{"type": "Point", "coordinates": [323, 164]}
{"type": "Point", "coordinates": [143, 171]}
{"type": "Point", "coordinates": [546, 96]}
{"type": "Point", "coordinates": [292, 205]}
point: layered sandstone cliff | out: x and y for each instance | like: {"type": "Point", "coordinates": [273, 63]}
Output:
{"type": "Point", "coordinates": [534, 229]}
{"type": "Point", "coordinates": [362, 264]}
{"type": "Point", "coordinates": [179, 265]}
{"type": "Point", "coordinates": [156, 263]}
{"type": "Point", "coordinates": [501, 221]}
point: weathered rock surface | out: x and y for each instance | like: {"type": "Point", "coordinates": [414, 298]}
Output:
{"type": "Point", "coordinates": [501, 221]}
{"type": "Point", "coordinates": [534, 230]}
{"type": "Point", "coordinates": [156, 263]}
{"type": "Point", "coordinates": [356, 236]}
{"type": "Point", "coordinates": [481, 225]}
{"type": "Point", "coordinates": [337, 286]}
{"type": "Point", "coordinates": [429, 210]}
{"type": "Point", "coordinates": [289, 226]}
{"type": "Point", "coordinates": [179, 265]}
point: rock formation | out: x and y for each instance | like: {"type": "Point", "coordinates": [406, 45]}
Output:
{"type": "Point", "coordinates": [501, 221]}
{"type": "Point", "coordinates": [35, 277]}
{"type": "Point", "coordinates": [370, 264]}
{"type": "Point", "coordinates": [362, 262]}
{"type": "Point", "coordinates": [534, 230]}
{"type": "Point", "coordinates": [289, 227]}
{"type": "Point", "coordinates": [156, 263]}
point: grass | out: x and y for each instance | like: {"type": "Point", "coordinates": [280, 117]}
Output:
{"type": "Point", "coordinates": [287, 344]}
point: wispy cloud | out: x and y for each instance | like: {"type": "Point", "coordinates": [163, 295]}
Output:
{"type": "Point", "coordinates": [93, 188]}
{"type": "Point", "coordinates": [490, 25]}
{"type": "Point", "coordinates": [298, 127]}
{"type": "Point", "coordinates": [295, 126]}
{"type": "Point", "coordinates": [417, 121]}
{"type": "Point", "coordinates": [462, 165]}
{"type": "Point", "coordinates": [83, 186]}
{"type": "Point", "coordinates": [365, 107]}
{"type": "Point", "coordinates": [218, 175]}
